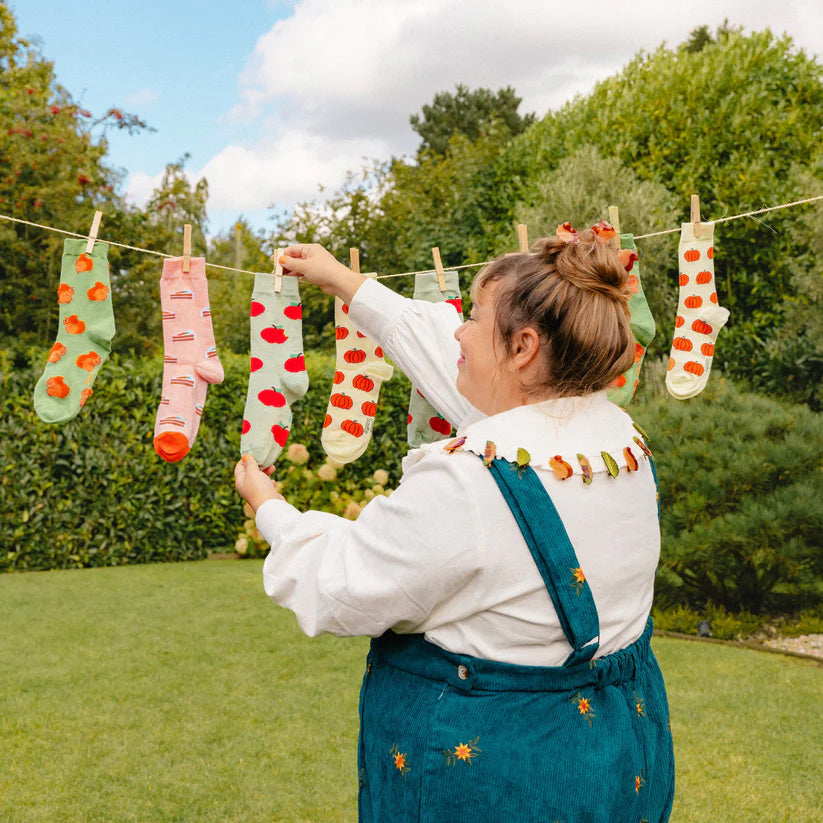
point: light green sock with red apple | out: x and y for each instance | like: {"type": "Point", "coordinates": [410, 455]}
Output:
{"type": "Point", "coordinates": [425, 423]}
{"type": "Point", "coordinates": [277, 370]}
{"type": "Point", "coordinates": [359, 372]}
{"type": "Point", "coordinates": [84, 335]}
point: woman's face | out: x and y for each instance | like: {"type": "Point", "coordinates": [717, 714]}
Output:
{"type": "Point", "coordinates": [481, 378]}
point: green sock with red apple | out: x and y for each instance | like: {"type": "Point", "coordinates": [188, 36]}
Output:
{"type": "Point", "coordinates": [425, 423]}
{"type": "Point", "coordinates": [277, 370]}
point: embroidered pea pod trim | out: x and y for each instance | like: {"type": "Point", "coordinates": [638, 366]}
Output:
{"type": "Point", "coordinates": [642, 433]}
{"type": "Point", "coordinates": [453, 445]}
{"type": "Point", "coordinates": [489, 454]}
{"type": "Point", "coordinates": [462, 751]}
{"type": "Point", "coordinates": [399, 760]}
{"type": "Point", "coordinates": [586, 468]}
{"type": "Point", "coordinates": [611, 464]}
{"type": "Point", "coordinates": [584, 707]}
{"type": "Point", "coordinates": [631, 460]}
{"type": "Point", "coordinates": [643, 447]}
{"type": "Point", "coordinates": [562, 470]}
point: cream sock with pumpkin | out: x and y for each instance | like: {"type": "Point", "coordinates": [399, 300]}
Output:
{"type": "Point", "coordinates": [277, 371]}
{"type": "Point", "coordinates": [359, 372]}
{"type": "Point", "coordinates": [84, 335]}
{"type": "Point", "coordinates": [699, 317]}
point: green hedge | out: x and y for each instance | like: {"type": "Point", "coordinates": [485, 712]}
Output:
{"type": "Point", "coordinates": [741, 491]}
{"type": "Point", "coordinates": [740, 478]}
{"type": "Point", "coordinates": [93, 492]}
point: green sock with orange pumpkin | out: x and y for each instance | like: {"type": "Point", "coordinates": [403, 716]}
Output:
{"type": "Point", "coordinates": [85, 330]}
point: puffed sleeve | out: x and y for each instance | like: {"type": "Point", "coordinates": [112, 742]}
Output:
{"type": "Point", "coordinates": [404, 556]}
{"type": "Point", "coordinates": [419, 337]}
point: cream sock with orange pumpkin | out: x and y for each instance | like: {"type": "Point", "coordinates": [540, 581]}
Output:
{"type": "Point", "coordinates": [359, 372]}
{"type": "Point", "coordinates": [277, 371]}
{"type": "Point", "coordinates": [84, 335]}
{"type": "Point", "coordinates": [190, 360]}
{"type": "Point", "coordinates": [699, 317]}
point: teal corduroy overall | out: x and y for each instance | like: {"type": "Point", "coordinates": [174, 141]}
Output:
{"type": "Point", "coordinates": [451, 738]}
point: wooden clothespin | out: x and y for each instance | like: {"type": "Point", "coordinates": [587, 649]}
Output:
{"type": "Point", "coordinates": [95, 227]}
{"type": "Point", "coordinates": [438, 268]}
{"type": "Point", "coordinates": [523, 237]}
{"type": "Point", "coordinates": [614, 219]}
{"type": "Point", "coordinates": [695, 214]}
{"type": "Point", "coordinates": [277, 271]}
{"type": "Point", "coordinates": [354, 256]}
{"type": "Point", "coordinates": [186, 248]}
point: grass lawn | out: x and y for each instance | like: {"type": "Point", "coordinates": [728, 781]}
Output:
{"type": "Point", "coordinates": [181, 693]}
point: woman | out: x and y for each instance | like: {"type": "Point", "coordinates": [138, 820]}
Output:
{"type": "Point", "coordinates": [508, 580]}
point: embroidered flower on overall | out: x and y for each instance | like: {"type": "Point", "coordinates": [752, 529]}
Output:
{"type": "Point", "coordinates": [584, 706]}
{"type": "Point", "coordinates": [638, 782]}
{"type": "Point", "coordinates": [462, 751]}
{"type": "Point", "coordinates": [639, 705]}
{"type": "Point", "coordinates": [578, 580]}
{"type": "Point", "coordinates": [399, 760]}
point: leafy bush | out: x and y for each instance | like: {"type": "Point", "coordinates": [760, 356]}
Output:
{"type": "Point", "coordinates": [724, 624]}
{"type": "Point", "coordinates": [93, 492]}
{"type": "Point", "coordinates": [741, 492]}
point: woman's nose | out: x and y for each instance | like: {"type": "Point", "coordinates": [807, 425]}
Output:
{"type": "Point", "coordinates": [458, 332]}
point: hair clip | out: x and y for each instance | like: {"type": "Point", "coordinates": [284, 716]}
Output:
{"type": "Point", "coordinates": [627, 258]}
{"type": "Point", "coordinates": [604, 232]}
{"type": "Point", "coordinates": [567, 234]}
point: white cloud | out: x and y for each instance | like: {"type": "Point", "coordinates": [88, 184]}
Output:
{"type": "Point", "coordinates": [338, 79]}
{"type": "Point", "coordinates": [282, 171]}
{"type": "Point", "coordinates": [139, 187]}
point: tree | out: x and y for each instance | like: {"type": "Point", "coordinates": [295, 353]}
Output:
{"type": "Point", "coordinates": [53, 172]}
{"type": "Point", "coordinates": [466, 112]}
{"type": "Point", "coordinates": [737, 123]}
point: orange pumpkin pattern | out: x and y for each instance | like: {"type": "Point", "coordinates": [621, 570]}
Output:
{"type": "Point", "coordinates": [74, 325]}
{"type": "Point", "coordinates": [64, 293]}
{"type": "Point", "coordinates": [701, 327]}
{"type": "Point", "coordinates": [693, 301]}
{"type": "Point", "coordinates": [682, 343]}
{"type": "Point", "coordinates": [338, 377]}
{"type": "Point", "coordinates": [703, 277]}
{"type": "Point", "coordinates": [56, 387]}
{"type": "Point", "coordinates": [363, 383]}
{"type": "Point", "coordinates": [354, 356]}
{"type": "Point", "coordinates": [691, 255]}
{"type": "Point", "coordinates": [693, 367]}
{"type": "Point", "coordinates": [57, 351]}
{"type": "Point", "coordinates": [369, 408]}
{"type": "Point", "coordinates": [684, 279]}
{"type": "Point", "coordinates": [341, 401]}
{"type": "Point", "coordinates": [341, 333]}
{"type": "Point", "coordinates": [678, 321]}
{"type": "Point", "coordinates": [707, 349]}
{"type": "Point", "coordinates": [327, 421]}
{"type": "Point", "coordinates": [352, 427]}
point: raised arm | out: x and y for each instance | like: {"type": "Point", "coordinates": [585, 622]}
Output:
{"type": "Point", "coordinates": [418, 336]}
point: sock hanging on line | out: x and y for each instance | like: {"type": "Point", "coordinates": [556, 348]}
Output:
{"type": "Point", "coordinates": [189, 357]}
{"type": "Point", "coordinates": [622, 390]}
{"type": "Point", "coordinates": [699, 317]}
{"type": "Point", "coordinates": [425, 423]}
{"type": "Point", "coordinates": [277, 370]}
{"type": "Point", "coordinates": [84, 334]}
{"type": "Point", "coordinates": [359, 372]}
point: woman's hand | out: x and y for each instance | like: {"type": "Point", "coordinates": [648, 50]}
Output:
{"type": "Point", "coordinates": [318, 266]}
{"type": "Point", "coordinates": [252, 484]}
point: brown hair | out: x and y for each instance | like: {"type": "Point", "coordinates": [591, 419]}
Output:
{"type": "Point", "coordinates": [575, 296]}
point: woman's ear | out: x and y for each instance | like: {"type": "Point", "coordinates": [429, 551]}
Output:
{"type": "Point", "coordinates": [525, 348]}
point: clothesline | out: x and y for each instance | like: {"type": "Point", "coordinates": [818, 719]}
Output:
{"type": "Point", "coordinates": [400, 274]}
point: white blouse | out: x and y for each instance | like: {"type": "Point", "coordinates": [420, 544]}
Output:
{"type": "Point", "coordinates": [443, 554]}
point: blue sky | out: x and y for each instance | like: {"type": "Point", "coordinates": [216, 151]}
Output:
{"type": "Point", "coordinates": [272, 98]}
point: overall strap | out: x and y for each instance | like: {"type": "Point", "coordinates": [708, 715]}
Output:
{"type": "Point", "coordinates": [554, 555]}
